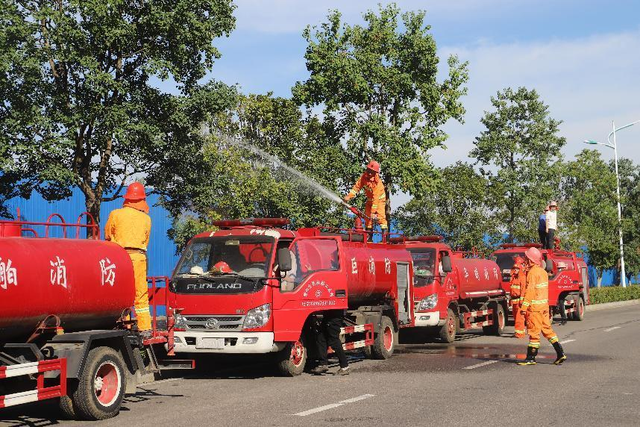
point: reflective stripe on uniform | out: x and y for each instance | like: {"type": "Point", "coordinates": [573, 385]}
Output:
{"type": "Point", "coordinates": [542, 285]}
{"type": "Point", "coordinates": [515, 286]}
{"type": "Point", "coordinates": [142, 310]}
{"type": "Point", "coordinates": [519, 331]}
{"type": "Point", "coordinates": [526, 304]}
{"type": "Point", "coordinates": [540, 301]}
{"type": "Point", "coordinates": [534, 344]}
{"type": "Point", "coordinates": [553, 339]}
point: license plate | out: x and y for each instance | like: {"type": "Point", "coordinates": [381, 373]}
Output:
{"type": "Point", "coordinates": [211, 343]}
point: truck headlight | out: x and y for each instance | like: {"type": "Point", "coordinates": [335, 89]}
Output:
{"type": "Point", "coordinates": [428, 303]}
{"type": "Point", "coordinates": [180, 322]}
{"type": "Point", "coordinates": [257, 317]}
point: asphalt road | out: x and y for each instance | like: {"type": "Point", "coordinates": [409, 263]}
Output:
{"type": "Point", "coordinates": [469, 383]}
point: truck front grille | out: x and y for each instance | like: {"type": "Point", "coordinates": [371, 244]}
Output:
{"type": "Point", "coordinates": [215, 323]}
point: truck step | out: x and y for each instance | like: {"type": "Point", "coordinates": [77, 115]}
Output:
{"type": "Point", "coordinates": [40, 392]}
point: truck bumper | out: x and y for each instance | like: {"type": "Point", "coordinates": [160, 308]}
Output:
{"type": "Point", "coordinates": [226, 342]}
{"type": "Point", "coordinates": [431, 318]}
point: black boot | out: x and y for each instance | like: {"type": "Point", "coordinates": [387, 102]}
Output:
{"type": "Point", "coordinates": [532, 352]}
{"type": "Point", "coordinates": [561, 357]}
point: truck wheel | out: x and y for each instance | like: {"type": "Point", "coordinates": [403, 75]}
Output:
{"type": "Point", "coordinates": [450, 327]}
{"type": "Point", "coordinates": [385, 340]}
{"type": "Point", "coordinates": [65, 404]}
{"type": "Point", "coordinates": [101, 388]}
{"type": "Point", "coordinates": [292, 359]}
{"type": "Point", "coordinates": [499, 321]}
{"type": "Point", "coordinates": [579, 313]}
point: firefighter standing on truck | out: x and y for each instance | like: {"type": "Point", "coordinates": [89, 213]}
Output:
{"type": "Point", "coordinates": [130, 227]}
{"type": "Point", "coordinates": [535, 306]}
{"type": "Point", "coordinates": [375, 208]}
{"type": "Point", "coordinates": [516, 292]}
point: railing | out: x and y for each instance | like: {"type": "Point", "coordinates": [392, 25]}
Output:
{"type": "Point", "coordinates": [160, 296]}
{"type": "Point", "coordinates": [16, 228]}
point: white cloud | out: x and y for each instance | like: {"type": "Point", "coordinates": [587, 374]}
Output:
{"type": "Point", "coordinates": [586, 83]}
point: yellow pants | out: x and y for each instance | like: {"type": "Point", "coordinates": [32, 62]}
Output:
{"type": "Point", "coordinates": [380, 212]}
{"type": "Point", "coordinates": [141, 302]}
{"type": "Point", "coordinates": [538, 322]}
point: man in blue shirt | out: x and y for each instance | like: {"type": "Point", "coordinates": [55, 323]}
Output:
{"type": "Point", "coordinates": [542, 227]}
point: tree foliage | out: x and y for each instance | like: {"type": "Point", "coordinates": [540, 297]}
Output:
{"type": "Point", "coordinates": [78, 105]}
{"type": "Point", "coordinates": [519, 153]}
{"type": "Point", "coordinates": [379, 91]}
{"type": "Point", "coordinates": [459, 210]}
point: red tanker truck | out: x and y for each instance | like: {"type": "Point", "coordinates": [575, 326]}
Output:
{"type": "Point", "coordinates": [568, 277]}
{"type": "Point", "coordinates": [64, 326]}
{"type": "Point", "coordinates": [452, 292]}
{"type": "Point", "coordinates": [280, 282]}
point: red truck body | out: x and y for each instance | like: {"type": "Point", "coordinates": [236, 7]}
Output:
{"type": "Point", "coordinates": [261, 309]}
{"type": "Point", "coordinates": [568, 277]}
{"type": "Point", "coordinates": [469, 295]}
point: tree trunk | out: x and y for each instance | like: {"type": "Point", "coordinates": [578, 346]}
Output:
{"type": "Point", "coordinates": [92, 204]}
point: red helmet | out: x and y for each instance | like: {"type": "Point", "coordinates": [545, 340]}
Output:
{"type": "Point", "coordinates": [374, 166]}
{"type": "Point", "coordinates": [534, 255]}
{"type": "Point", "coordinates": [222, 267]}
{"type": "Point", "coordinates": [135, 191]}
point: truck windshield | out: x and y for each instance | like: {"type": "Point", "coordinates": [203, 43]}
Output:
{"type": "Point", "coordinates": [423, 266]}
{"type": "Point", "coordinates": [230, 264]}
{"type": "Point", "coordinates": [505, 261]}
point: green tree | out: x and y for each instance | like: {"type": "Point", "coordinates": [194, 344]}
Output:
{"type": "Point", "coordinates": [235, 182]}
{"type": "Point", "coordinates": [459, 210]}
{"type": "Point", "coordinates": [519, 153]}
{"type": "Point", "coordinates": [79, 107]}
{"type": "Point", "coordinates": [589, 216]}
{"type": "Point", "coordinates": [630, 200]}
{"type": "Point", "coordinates": [379, 91]}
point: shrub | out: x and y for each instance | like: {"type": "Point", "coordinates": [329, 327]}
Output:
{"type": "Point", "coordinates": [614, 293]}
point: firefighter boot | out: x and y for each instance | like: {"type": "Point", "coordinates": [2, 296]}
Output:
{"type": "Point", "coordinates": [561, 357]}
{"type": "Point", "coordinates": [532, 352]}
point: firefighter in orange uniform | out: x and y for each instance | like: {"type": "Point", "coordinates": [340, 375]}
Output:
{"type": "Point", "coordinates": [517, 290]}
{"type": "Point", "coordinates": [130, 227]}
{"type": "Point", "coordinates": [535, 306]}
{"type": "Point", "coordinates": [376, 197]}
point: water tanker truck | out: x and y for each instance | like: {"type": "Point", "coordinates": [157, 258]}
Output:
{"type": "Point", "coordinates": [568, 277]}
{"type": "Point", "coordinates": [64, 326]}
{"type": "Point", "coordinates": [454, 292]}
{"type": "Point", "coordinates": [276, 285]}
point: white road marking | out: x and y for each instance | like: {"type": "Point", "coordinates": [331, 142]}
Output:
{"type": "Point", "coordinates": [479, 365]}
{"type": "Point", "coordinates": [333, 405]}
{"type": "Point", "coordinates": [612, 329]}
{"type": "Point", "coordinates": [566, 341]}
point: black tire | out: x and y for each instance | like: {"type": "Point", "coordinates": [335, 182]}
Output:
{"type": "Point", "coordinates": [450, 328]}
{"type": "Point", "coordinates": [499, 321]}
{"type": "Point", "coordinates": [579, 313]}
{"type": "Point", "coordinates": [293, 358]}
{"type": "Point", "coordinates": [385, 340]}
{"type": "Point", "coordinates": [65, 404]}
{"type": "Point", "coordinates": [101, 388]}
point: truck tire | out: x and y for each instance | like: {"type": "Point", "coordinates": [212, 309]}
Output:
{"type": "Point", "coordinates": [65, 404]}
{"type": "Point", "coordinates": [385, 340]}
{"type": "Point", "coordinates": [292, 359]}
{"type": "Point", "coordinates": [450, 328]}
{"type": "Point", "coordinates": [100, 390]}
{"type": "Point", "coordinates": [499, 321]}
{"type": "Point", "coordinates": [579, 313]}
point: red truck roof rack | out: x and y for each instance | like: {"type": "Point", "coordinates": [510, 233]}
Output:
{"type": "Point", "coordinates": [258, 222]}
{"type": "Point", "coordinates": [405, 239]}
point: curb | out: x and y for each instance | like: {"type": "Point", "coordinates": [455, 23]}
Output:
{"type": "Point", "coordinates": [606, 305]}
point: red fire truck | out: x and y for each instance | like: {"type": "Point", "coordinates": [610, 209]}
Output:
{"type": "Point", "coordinates": [279, 282]}
{"type": "Point", "coordinates": [568, 277]}
{"type": "Point", "coordinates": [64, 326]}
{"type": "Point", "coordinates": [452, 291]}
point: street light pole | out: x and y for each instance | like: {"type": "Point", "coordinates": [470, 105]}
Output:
{"type": "Point", "coordinates": [614, 145]}
{"type": "Point", "coordinates": [615, 156]}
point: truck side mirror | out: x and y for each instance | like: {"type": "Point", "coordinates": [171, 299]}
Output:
{"type": "Point", "coordinates": [284, 259]}
{"type": "Point", "coordinates": [446, 264]}
{"type": "Point", "coordinates": [548, 265]}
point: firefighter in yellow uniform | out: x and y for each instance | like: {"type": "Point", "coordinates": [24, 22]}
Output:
{"type": "Point", "coordinates": [516, 292]}
{"type": "Point", "coordinates": [535, 306]}
{"type": "Point", "coordinates": [376, 197]}
{"type": "Point", "coordinates": [130, 227]}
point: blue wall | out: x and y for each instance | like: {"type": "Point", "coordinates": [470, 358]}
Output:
{"type": "Point", "coordinates": [161, 251]}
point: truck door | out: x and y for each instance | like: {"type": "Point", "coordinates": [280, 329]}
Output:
{"type": "Point", "coordinates": [316, 282]}
{"type": "Point", "coordinates": [404, 296]}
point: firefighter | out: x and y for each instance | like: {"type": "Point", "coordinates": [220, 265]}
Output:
{"type": "Point", "coordinates": [328, 334]}
{"type": "Point", "coordinates": [535, 306]}
{"type": "Point", "coordinates": [517, 290]}
{"type": "Point", "coordinates": [375, 208]}
{"type": "Point", "coordinates": [130, 227]}
{"type": "Point", "coordinates": [551, 224]}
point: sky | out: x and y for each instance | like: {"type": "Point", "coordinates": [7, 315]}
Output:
{"type": "Point", "coordinates": [583, 58]}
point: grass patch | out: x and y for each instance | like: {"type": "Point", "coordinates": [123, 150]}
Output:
{"type": "Point", "coordinates": [614, 293]}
